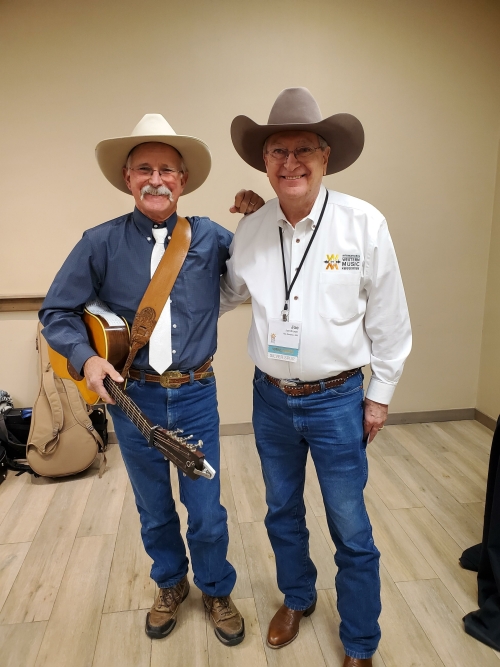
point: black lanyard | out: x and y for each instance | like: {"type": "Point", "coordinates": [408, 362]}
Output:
{"type": "Point", "coordinates": [288, 290]}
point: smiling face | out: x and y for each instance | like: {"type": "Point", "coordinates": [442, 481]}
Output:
{"type": "Point", "coordinates": [296, 181]}
{"type": "Point", "coordinates": [157, 156]}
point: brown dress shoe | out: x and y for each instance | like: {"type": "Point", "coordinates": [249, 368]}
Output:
{"type": "Point", "coordinates": [228, 622]}
{"type": "Point", "coordinates": [284, 627]}
{"type": "Point", "coordinates": [357, 662]}
{"type": "Point", "coordinates": [162, 618]}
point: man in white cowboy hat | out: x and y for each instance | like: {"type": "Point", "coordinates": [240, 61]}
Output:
{"type": "Point", "coordinates": [114, 262]}
{"type": "Point", "coordinates": [327, 299]}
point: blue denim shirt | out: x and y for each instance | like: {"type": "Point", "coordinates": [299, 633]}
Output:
{"type": "Point", "coordinates": [112, 262]}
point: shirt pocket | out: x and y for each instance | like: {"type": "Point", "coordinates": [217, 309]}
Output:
{"type": "Point", "coordinates": [338, 298]}
{"type": "Point", "coordinates": [200, 290]}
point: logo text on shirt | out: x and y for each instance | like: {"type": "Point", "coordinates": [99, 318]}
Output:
{"type": "Point", "coordinates": [350, 262]}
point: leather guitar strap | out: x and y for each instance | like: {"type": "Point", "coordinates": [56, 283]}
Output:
{"type": "Point", "coordinates": [158, 291]}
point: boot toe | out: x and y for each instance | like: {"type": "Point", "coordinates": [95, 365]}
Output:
{"type": "Point", "coordinates": [231, 636]}
{"type": "Point", "coordinates": [159, 631]}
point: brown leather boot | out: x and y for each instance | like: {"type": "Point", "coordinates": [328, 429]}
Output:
{"type": "Point", "coordinates": [357, 662]}
{"type": "Point", "coordinates": [284, 627]}
{"type": "Point", "coordinates": [228, 622]}
{"type": "Point", "coordinates": [162, 618]}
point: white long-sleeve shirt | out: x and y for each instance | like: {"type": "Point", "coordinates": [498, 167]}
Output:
{"type": "Point", "coordinates": [348, 296]}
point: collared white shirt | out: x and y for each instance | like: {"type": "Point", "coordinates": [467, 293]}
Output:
{"type": "Point", "coordinates": [348, 296]}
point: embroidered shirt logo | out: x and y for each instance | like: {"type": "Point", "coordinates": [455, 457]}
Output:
{"type": "Point", "coordinates": [332, 262]}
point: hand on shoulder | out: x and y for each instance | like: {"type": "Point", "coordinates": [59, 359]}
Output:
{"type": "Point", "coordinates": [246, 202]}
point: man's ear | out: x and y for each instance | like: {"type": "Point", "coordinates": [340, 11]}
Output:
{"type": "Point", "coordinates": [326, 155]}
{"type": "Point", "coordinates": [126, 177]}
{"type": "Point", "coordinates": [184, 179]}
{"type": "Point", "coordinates": [264, 157]}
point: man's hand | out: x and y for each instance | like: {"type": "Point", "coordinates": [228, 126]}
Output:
{"type": "Point", "coordinates": [246, 201]}
{"type": "Point", "coordinates": [375, 416]}
{"type": "Point", "coordinates": [95, 370]}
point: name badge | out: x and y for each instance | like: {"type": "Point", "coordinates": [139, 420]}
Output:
{"type": "Point", "coordinates": [283, 340]}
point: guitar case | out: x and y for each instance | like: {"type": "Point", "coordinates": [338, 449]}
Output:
{"type": "Point", "coordinates": [62, 439]}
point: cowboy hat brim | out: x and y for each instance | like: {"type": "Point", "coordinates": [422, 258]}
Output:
{"type": "Point", "coordinates": [112, 154]}
{"type": "Point", "coordinates": [342, 132]}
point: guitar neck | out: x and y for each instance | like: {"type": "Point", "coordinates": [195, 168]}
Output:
{"type": "Point", "coordinates": [128, 406]}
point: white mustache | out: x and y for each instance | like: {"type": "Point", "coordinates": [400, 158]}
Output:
{"type": "Point", "coordinates": [162, 190]}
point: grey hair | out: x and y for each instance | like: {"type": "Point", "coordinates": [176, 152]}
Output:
{"type": "Point", "coordinates": [322, 143]}
{"type": "Point", "coordinates": [183, 168]}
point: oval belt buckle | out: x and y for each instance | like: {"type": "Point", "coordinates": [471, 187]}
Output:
{"type": "Point", "coordinates": [168, 379]}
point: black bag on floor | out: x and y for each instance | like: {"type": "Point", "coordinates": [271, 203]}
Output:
{"type": "Point", "coordinates": [3, 464]}
{"type": "Point", "coordinates": [15, 448]}
{"type": "Point", "coordinates": [16, 429]}
{"type": "Point", "coordinates": [100, 423]}
{"type": "Point", "coordinates": [484, 624]}
{"type": "Point", "coordinates": [18, 422]}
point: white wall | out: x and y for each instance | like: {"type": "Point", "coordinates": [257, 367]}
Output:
{"type": "Point", "coordinates": [422, 77]}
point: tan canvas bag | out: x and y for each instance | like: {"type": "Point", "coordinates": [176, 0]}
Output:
{"type": "Point", "coordinates": [62, 440]}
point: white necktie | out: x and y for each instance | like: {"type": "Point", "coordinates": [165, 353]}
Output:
{"type": "Point", "coordinates": [160, 343]}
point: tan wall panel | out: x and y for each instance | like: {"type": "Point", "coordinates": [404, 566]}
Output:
{"type": "Point", "coordinates": [488, 399]}
{"type": "Point", "coordinates": [234, 368]}
{"type": "Point", "coordinates": [18, 357]}
{"type": "Point", "coordinates": [422, 77]}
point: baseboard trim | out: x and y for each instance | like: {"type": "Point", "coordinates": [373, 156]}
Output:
{"type": "Point", "coordinates": [244, 428]}
{"type": "Point", "coordinates": [483, 419]}
{"type": "Point", "coordinates": [458, 414]}
{"type": "Point", "coordinates": [395, 418]}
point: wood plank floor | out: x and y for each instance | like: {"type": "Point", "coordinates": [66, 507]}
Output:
{"type": "Point", "coordinates": [74, 578]}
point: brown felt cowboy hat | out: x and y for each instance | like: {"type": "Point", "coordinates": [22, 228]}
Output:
{"type": "Point", "coordinates": [112, 154]}
{"type": "Point", "coordinates": [296, 109]}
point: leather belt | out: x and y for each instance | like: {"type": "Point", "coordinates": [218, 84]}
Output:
{"type": "Point", "coordinates": [173, 379]}
{"type": "Point", "coordinates": [292, 388]}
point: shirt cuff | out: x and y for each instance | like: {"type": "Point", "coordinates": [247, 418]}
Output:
{"type": "Point", "coordinates": [380, 392]}
{"type": "Point", "coordinates": [80, 355]}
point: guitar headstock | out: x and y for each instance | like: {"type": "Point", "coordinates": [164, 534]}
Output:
{"type": "Point", "coordinates": [186, 456]}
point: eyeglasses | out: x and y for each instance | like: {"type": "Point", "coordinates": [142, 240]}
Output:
{"type": "Point", "coordinates": [164, 173]}
{"type": "Point", "coordinates": [302, 153]}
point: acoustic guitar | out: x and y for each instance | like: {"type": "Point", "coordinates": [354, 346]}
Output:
{"type": "Point", "coordinates": [109, 337]}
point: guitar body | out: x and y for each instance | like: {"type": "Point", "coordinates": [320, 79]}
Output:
{"type": "Point", "coordinates": [108, 335]}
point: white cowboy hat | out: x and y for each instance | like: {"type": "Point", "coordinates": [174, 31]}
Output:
{"type": "Point", "coordinates": [112, 154]}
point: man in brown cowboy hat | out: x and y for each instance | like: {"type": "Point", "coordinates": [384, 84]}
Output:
{"type": "Point", "coordinates": [327, 299]}
{"type": "Point", "coordinates": [114, 262]}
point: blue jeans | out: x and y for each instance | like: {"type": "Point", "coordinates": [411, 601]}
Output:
{"type": "Point", "coordinates": [192, 408]}
{"type": "Point", "coordinates": [330, 424]}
